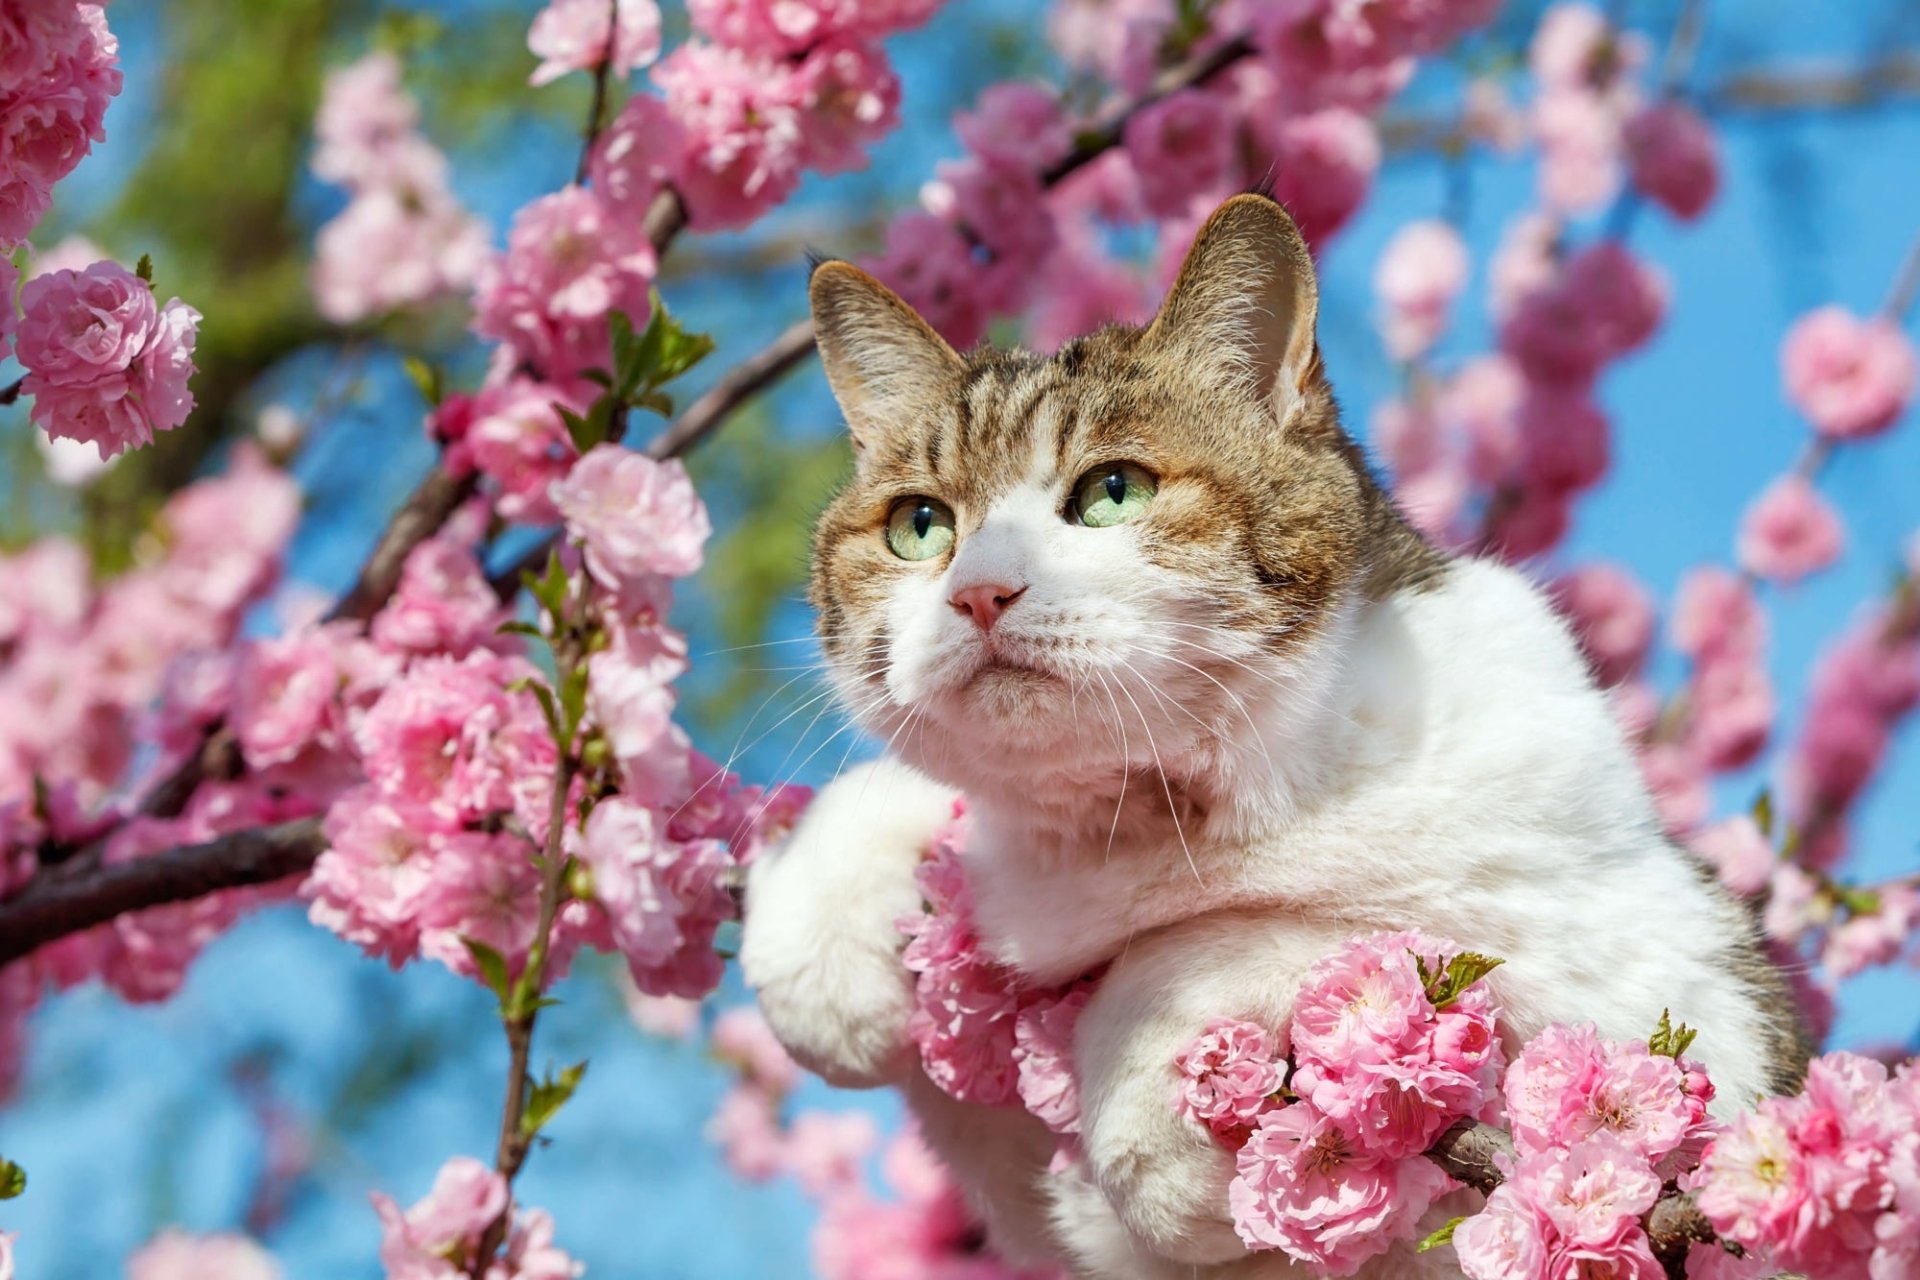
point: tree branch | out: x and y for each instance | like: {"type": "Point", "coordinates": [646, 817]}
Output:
{"type": "Point", "coordinates": [54, 907]}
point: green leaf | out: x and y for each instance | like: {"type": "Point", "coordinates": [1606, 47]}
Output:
{"type": "Point", "coordinates": [657, 401]}
{"type": "Point", "coordinates": [547, 1096]}
{"type": "Point", "coordinates": [13, 1180]}
{"type": "Point", "coordinates": [663, 352]}
{"type": "Point", "coordinates": [1763, 812]}
{"type": "Point", "coordinates": [1443, 1236]}
{"type": "Point", "coordinates": [1461, 972]}
{"type": "Point", "coordinates": [520, 627]}
{"type": "Point", "coordinates": [562, 735]}
{"type": "Point", "coordinates": [573, 702]}
{"type": "Point", "coordinates": [580, 429]}
{"type": "Point", "coordinates": [427, 378]}
{"type": "Point", "coordinates": [1668, 1040]}
{"type": "Point", "coordinates": [549, 589]}
{"type": "Point", "coordinates": [144, 269]}
{"type": "Point", "coordinates": [492, 966]}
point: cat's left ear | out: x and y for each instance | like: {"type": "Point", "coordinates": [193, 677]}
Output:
{"type": "Point", "coordinates": [887, 367]}
{"type": "Point", "coordinates": [1244, 305]}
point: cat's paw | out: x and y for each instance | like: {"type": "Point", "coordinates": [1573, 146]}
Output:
{"type": "Point", "coordinates": [821, 945]}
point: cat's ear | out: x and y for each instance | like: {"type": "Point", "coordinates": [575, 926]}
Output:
{"type": "Point", "coordinates": [1244, 305]}
{"type": "Point", "coordinates": [886, 365]}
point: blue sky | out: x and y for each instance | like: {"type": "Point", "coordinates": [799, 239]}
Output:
{"type": "Point", "coordinates": [127, 1121]}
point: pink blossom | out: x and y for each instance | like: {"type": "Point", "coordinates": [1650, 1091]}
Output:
{"type": "Point", "coordinates": [1004, 210]}
{"type": "Point", "coordinates": [929, 265]}
{"type": "Point", "coordinates": [1507, 1240]}
{"type": "Point", "coordinates": [1715, 617]}
{"type": "Point", "coordinates": [1563, 436]}
{"type": "Point", "coordinates": [1612, 614]}
{"type": "Point", "coordinates": [1482, 403]}
{"type": "Point", "coordinates": [746, 1127]}
{"type": "Point", "coordinates": [573, 35]}
{"type": "Point", "coordinates": [629, 693]}
{"type": "Point", "coordinates": [824, 1150]}
{"type": "Point", "coordinates": [1084, 290]}
{"type": "Point", "coordinates": [287, 697]}
{"type": "Point", "coordinates": [662, 900]}
{"type": "Point", "coordinates": [104, 363]}
{"type": "Point", "coordinates": [1324, 166]}
{"type": "Point", "coordinates": [1730, 709]}
{"type": "Point", "coordinates": [1581, 153]}
{"type": "Point", "coordinates": [1789, 531]}
{"type": "Point", "coordinates": [445, 1226]}
{"type": "Point", "coordinates": [484, 888]}
{"type": "Point", "coordinates": [448, 737]}
{"type": "Point", "coordinates": [851, 99]}
{"type": "Point", "coordinates": [1678, 781]}
{"type": "Point", "coordinates": [1365, 1002]}
{"type": "Point", "coordinates": [1118, 40]}
{"type": "Point", "coordinates": [1229, 1074]}
{"type": "Point", "coordinates": [1420, 273]}
{"type": "Point", "coordinates": [1043, 1057]}
{"type": "Point", "coordinates": [175, 1255]}
{"type": "Point", "coordinates": [443, 603]}
{"type": "Point", "coordinates": [745, 142]}
{"type": "Point", "coordinates": [742, 1039]}
{"type": "Point", "coordinates": [669, 1017]}
{"type": "Point", "coordinates": [1525, 262]}
{"type": "Point", "coordinates": [367, 125]}
{"type": "Point", "coordinates": [1016, 124]}
{"type": "Point", "coordinates": [1602, 304]}
{"type": "Point", "coordinates": [371, 882]}
{"type": "Point", "coordinates": [1871, 669]}
{"type": "Point", "coordinates": [512, 431]}
{"type": "Point", "coordinates": [1569, 45]}
{"type": "Point", "coordinates": [571, 260]}
{"type": "Point", "coordinates": [1795, 903]}
{"type": "Point", "coordinates": [1567, 1085]}
{"type": "Point", "coordinates": [59, 63]}
{"type": "Point", "coordinates": [1849, 377]}
{"type": "Point", "coordinates": [782, 27]}
{"type": "Point", "coordinates": [1875, 937]}
{"type": "Point", "coordinates": [1739, 851]}
{"type": "Point", "coordinates": [1182, 148]}
{"type": "Point", "coordinates": [1673, 159]}
{"type": "Point", "coordinates": [635, 155]}
{"type": "Point", "coordinates": [393, 248]}
{"type": "Point", "coordinates": [637, 517]}
{"type": "Point", "coordinates": [1839, 751]}
{"type": "Point", "coordinates": [1301, 1189]}
{"type": "Point", "coordinates": [1589, 1197]}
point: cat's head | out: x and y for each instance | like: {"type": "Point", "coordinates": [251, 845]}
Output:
{"type": "Point", "coordinates": [1074, 566]}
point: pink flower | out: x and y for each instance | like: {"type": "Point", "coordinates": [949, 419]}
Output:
{"type": "Point", "coordinates": [484, 888]}
{"type": "Point", "coordinates": [1590, 1198]}
{"type": "Point", "coordinates": [1673, 160]}
{"type": "Point", "coordinates": [104, 364]}
{"type": "Point", "coordinates": [635, 155]}
{"type": "Point", "coordinates": [1229, 1074]}
{"type": "Point", "coordinates": [1420, 273]}
{"type": "Point", "coordinates": [1082, 291]}
{"type": "Point", "coordinates": [1612, 614]}
{"type": "Point", "coordinates": [1603, 304]}
{"type": "Point", "coordinates": [449, 738]}
{"type": "Point", "coordinates": [1364, 1003]}
{"type": "Point", "coordinates": [1839, 751]}
{"type": "Point", "coordinates": [745, 143]}
{"type": "Point", "coordinates": [929, 265]}
{"type": "Point", "coordinates": [1324, 166]}
{"type": "Point", "coordinates": [367, 126]}
{"type": "Point", "coordinates": [573, 35]}
{"type": "Point", "coordinates": [442, 605]}
{"type": "Point", "coordinates": [1016, 124]}
{"type": "Point", "coordinates": [393, 248]}
{"type": "Point", "coordinates": [852, 99]}
{"type": "Point", "coordinates": [1715, 617]}
{"type": "Point", "coordinates": [1739, 851]}
{"type": "Point", "coordinates": [1789, 531]}
{"type": "Point", "coordinates": [1568, 1085]}
{"type": "Point", "coordinates": [1731, 709]}
{"type": "Point", "coordinates": [826, 1149]}
{"type": "Point", "coordinates": [371, 882]}
{"type": "Point", "coordinates": [1301, 1189]}
{"type": "Point", "coordinates": [1795, 903]}
{"type": "Point", "coordinates": [742, 1039]}
{"type": "Point", "coordinates": [175, 1255]}
{"type": "Point", "coordinates": [746, 1127]}
{"type": "Point", "coordinates": [1849, 377]}
{"type": "Point", "coordinates": [1875, 937]}
{"type": "Point", "coordinates": [1182, 148]}
{"type": "Point", "coordinates": [1507, 1240]}
{"type": "Point", "coordinates": [1043, 1057]}
{"type": "Point", "coordinates": [1563, 436]}
{"type": "Point", "coordinates": [629, 691]}
{"type": "Point", "coordinates": [662, 900]}
{"type": "Point", "coordinates": [637, 517]}
{"type": "Point", "coordinates": [436, 1238]}
{"type": "Point", "coordinates": [286, 697]}
{"type": "Point", "coordinates": [570, 261]}
{"type": "Point", "coordinates": [1004, 210]}
{"type": "Point", "coordinates": [59, 65]}
{"type": "Point", "coordinates": [512, 431]}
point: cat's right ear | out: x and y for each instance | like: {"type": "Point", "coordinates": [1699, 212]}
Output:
{"type": "Point", "coordinates": [886, 365]}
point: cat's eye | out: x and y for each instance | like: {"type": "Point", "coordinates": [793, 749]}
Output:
{"type": "Point", "coordinates": [919, 529]}
{"type": "Point", "coordinates": [1110, 495]}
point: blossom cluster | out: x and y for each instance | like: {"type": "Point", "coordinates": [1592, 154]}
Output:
{"type": "Point", "coordinates": [402, 238]}
{"type": "Point", "coordinates": [984, 1035]}
{"type": "Point", "coordinates": [922, 1229]}
{"type": "Point", "coordinates": [105, 363]}
{"type": "Point", "coordinates": [1392, 1039]}
{"type": "Point", "coordinates": [437, 1237]}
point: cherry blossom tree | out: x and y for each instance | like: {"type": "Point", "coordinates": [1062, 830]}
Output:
{"type": "Point", "coordinates": [477, 756]}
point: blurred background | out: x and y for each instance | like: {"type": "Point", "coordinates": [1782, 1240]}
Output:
{"type": "Point", "coordinates": [292, 1076]}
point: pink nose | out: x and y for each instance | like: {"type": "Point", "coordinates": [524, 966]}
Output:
{"type": "Point", "coordinates": [985, 603]}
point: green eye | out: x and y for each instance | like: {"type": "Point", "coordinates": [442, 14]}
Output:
{"type": "Point", "coordinates": [919, 529]}
{"type": "Point", "coordinates": [1111, 495]}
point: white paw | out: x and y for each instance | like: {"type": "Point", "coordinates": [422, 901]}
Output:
{"type": "Point", "coordinates": [821, 945]}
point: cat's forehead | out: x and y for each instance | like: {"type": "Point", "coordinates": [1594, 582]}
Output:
{"type": "Point", "coordinates": [1018, 419]}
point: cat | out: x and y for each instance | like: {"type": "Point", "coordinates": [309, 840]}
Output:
{"type": "Point", "coordinates": [1215, 707]}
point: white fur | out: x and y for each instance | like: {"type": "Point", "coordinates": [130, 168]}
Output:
{"type": "Point", "coordinates": [1212, 819]}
